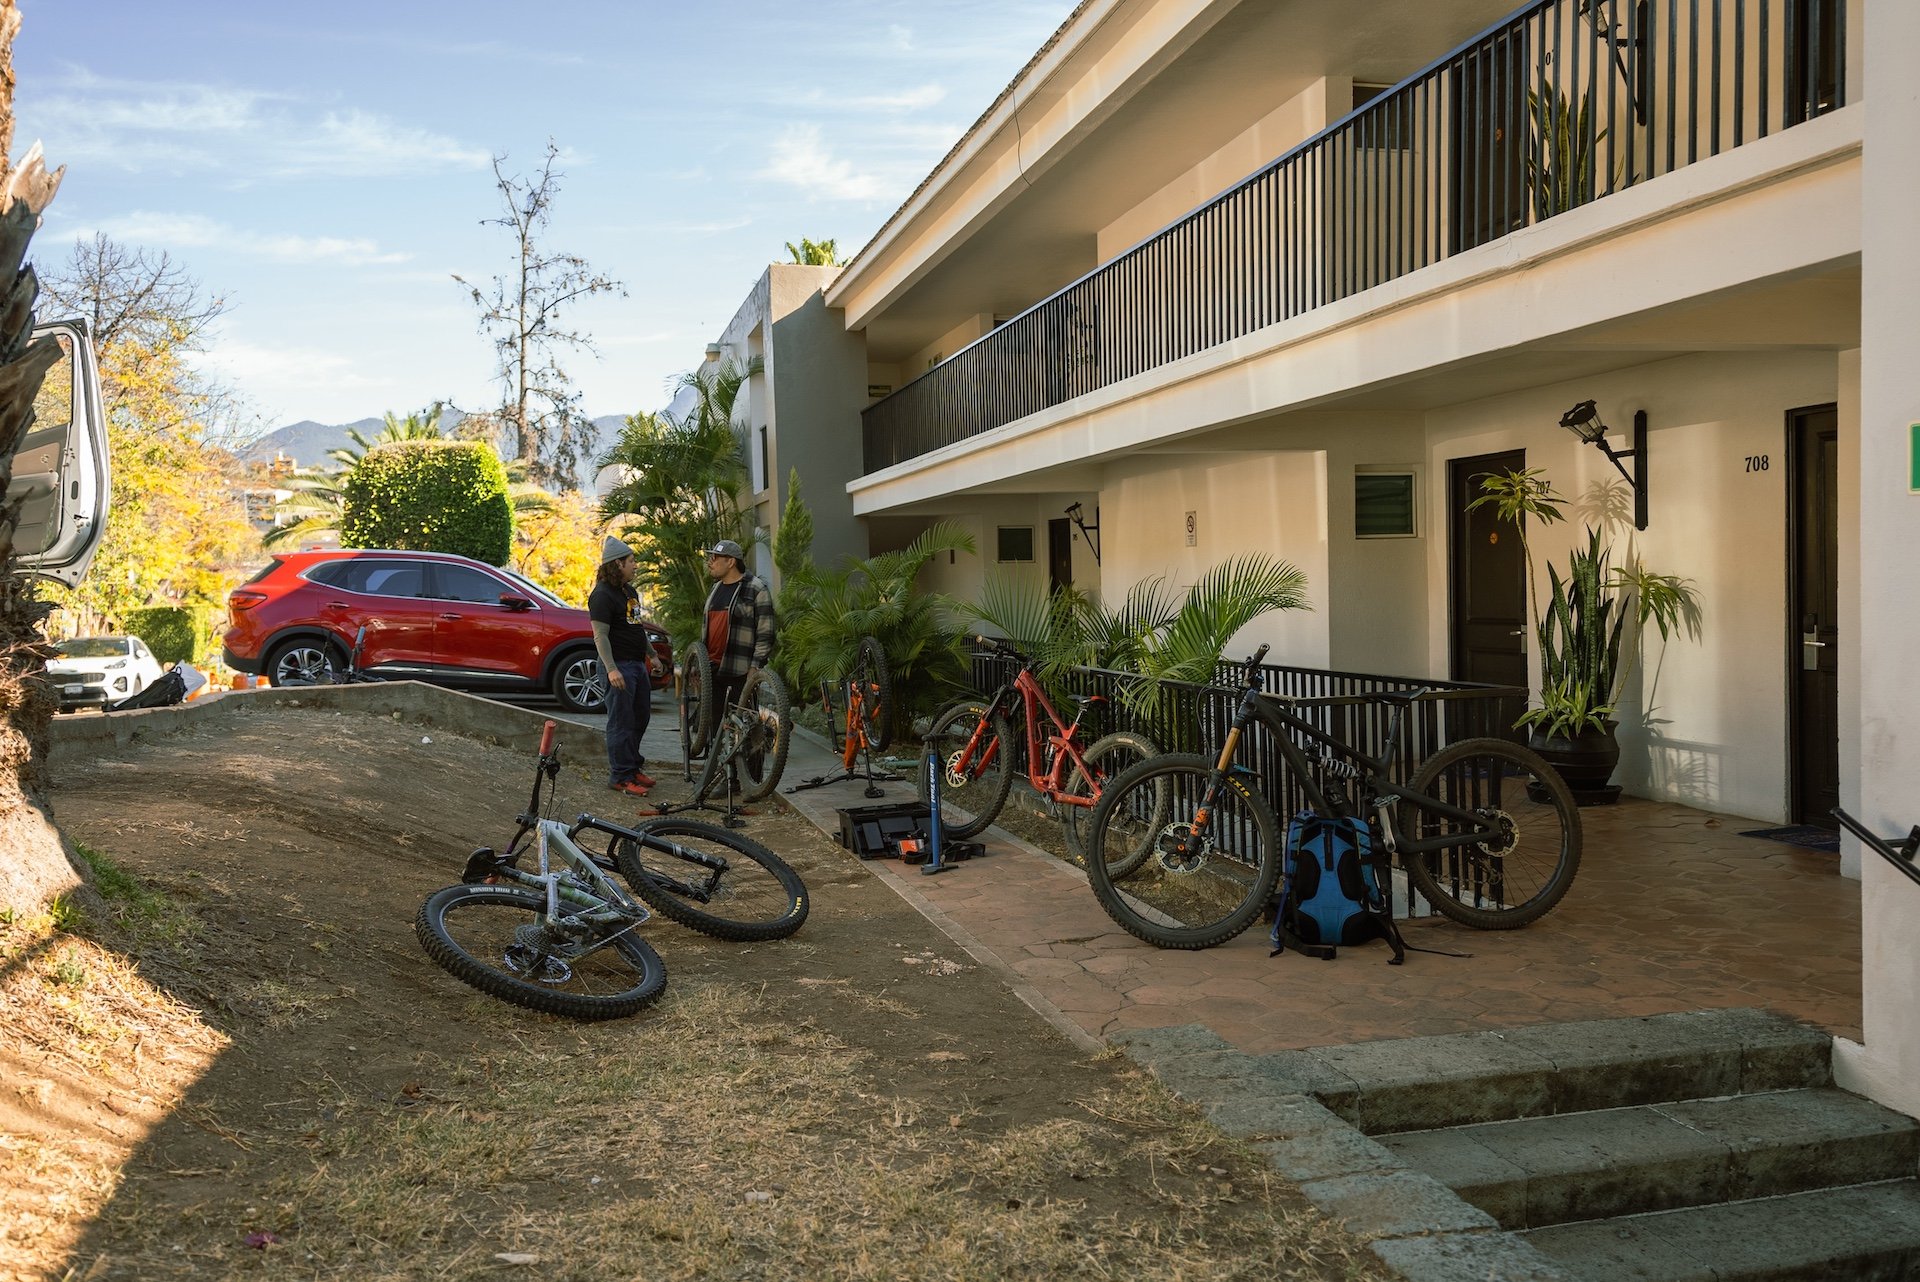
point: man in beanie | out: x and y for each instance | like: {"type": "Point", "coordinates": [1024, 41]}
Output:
{"type": "Point", "coordinates": [739, 620]}
{"type": "Point", "coordinates": [626, 656]}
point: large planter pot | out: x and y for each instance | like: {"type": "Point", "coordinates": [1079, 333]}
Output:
{"type": "Point", "coordinates": [1586, 761]}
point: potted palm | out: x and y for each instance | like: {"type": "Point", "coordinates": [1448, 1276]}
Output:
{"type": "Point", "coordinates": [1589, 636]}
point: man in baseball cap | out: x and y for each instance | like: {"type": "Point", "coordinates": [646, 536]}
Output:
{"type": "Point", "coordinates": [626, 656]}
{"type": "Point", "coordinates": [739, 619]}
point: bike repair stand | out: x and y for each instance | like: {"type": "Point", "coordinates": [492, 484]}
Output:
{"type": "Point", "coordinates": [932, 769]}
{"type": "Point", "coordinates": [873, 780]}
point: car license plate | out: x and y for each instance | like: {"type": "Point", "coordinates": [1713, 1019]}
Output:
{"type": "Point", "coordinates": [73, 689]}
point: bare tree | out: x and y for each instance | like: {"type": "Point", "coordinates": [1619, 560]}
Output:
{"type": "Point", "coordinates": [130, 294]}
{"type": "Point", "coordinates": [523, 313]}
{"type": "Point", "coordinates": [34, 864]}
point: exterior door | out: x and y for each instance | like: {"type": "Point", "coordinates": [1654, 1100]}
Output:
{"type": "Point", "coordinates": [1813, 645]}
{"type": "Point", "coordinates": [1488, 579]}
{"type": "Point", "coordinates": [474, 632]}
{"type": "Point", "coordinates": [1059, 554]}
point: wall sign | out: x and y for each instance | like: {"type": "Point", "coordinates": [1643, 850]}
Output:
{"type": "Point", "coordinates": [1193, 528]}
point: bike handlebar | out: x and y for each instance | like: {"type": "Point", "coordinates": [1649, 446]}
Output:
{"type": "Point", "coordinates": [546, 737]}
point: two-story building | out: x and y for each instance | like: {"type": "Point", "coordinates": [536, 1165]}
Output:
{"type": "Point", "coordinates": [1292, 277]}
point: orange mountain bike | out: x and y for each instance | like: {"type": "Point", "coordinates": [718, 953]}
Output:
{"type": "Point", "coordinates": [868, 695]}
{"type": "Point", "coordinates": [975, 745]}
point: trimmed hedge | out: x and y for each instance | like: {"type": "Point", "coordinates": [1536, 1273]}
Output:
{"type": "Point", "coordinates": [175, 633]}
{"type": "Point", "coordinates": [430, 496]}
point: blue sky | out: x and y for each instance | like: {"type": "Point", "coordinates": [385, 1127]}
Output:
{"type": "Point", "coordinates": [325, 168]}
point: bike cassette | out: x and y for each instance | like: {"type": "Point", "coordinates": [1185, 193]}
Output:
{"type": "Point", "coordinates": [1180, 850]}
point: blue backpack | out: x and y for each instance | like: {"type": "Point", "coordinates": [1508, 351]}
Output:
{"type": "Point", "coordinates": [1333, 893]}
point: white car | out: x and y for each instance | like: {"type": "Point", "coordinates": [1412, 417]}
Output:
{"type": "Point", "coordinates": [91, 672]}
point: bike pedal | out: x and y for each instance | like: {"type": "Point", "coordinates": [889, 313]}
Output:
{"type": "Point", "coordinates": [482, 865]}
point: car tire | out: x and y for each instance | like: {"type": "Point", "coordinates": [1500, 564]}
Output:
{"type": "Point", "coordinates": [578, 682]}
{"type": "Point", "coordinates": [303, 661]}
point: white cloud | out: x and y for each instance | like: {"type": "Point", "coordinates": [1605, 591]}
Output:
{"type": "Point", "coordinates": [900, 38]}
{"type": "Point", "coordinates": [197, 231]}
{"type": "Point", "coordinates": [800, 159]}
{"type": "Point", "coordinates": [254, 365]}
{"type": "Point", "coordinates": [143, 127]}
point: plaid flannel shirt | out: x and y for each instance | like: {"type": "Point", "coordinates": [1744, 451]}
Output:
{"type": "Point", "coordinates": [750, 626]}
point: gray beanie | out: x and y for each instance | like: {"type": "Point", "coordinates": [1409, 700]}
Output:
{"type": "Point", "coordinates": [613, 549]}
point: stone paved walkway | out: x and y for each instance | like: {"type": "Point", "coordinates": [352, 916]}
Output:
{"type": "Point", "coordinates": [1672, 911]}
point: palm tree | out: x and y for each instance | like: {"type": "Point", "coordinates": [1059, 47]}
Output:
{"type": "Point", "coordinates": [318, 494]}
{"type": "Point", "coordinates": [815, 253]}
{"type": "Point", "coordinates": [831, 610]}
{"type": "Point", "coordinates": [679, 492]}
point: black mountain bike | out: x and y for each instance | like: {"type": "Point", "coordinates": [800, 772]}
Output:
{"type": "Point", "coordinates": [560, 938]}
{"type": "Point", "coordinates": [1185, 852]}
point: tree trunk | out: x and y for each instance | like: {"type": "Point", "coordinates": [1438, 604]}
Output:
{"type": "Point", "coordinates": [34, 863]}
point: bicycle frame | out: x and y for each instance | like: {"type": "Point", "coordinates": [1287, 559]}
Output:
{"type": "Point", "coordinates": [1376, 772]}
{"type": "Point", "coordinates": [1065, 742]}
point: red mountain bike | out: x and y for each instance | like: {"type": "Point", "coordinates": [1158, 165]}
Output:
{"type": "Point", "coordinates": [978, 753]}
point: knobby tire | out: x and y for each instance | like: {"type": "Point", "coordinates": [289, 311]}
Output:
{"type": "Point", "coordinates": [759, 897]}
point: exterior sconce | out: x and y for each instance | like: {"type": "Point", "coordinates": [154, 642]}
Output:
{"type": "Point", "coordinates": [1583, 420]}
{"type": "Point", "coordinates": [1088, 532]}
{"type": "Point", "coordinates": [713, 351]}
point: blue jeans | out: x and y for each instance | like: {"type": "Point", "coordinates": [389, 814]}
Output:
{"type": "Point", "coordinates": [628, 713]}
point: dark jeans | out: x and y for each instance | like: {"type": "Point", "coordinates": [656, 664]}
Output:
{"type": "Point", "coordinates": [628, 713]}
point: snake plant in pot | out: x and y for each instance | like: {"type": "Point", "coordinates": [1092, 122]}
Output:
{"type": "Point", "coordinates": [1590, 635]}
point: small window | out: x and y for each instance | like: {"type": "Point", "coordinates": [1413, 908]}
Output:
{"type": "Point", "coordinates": [327, 572]}
{"type": "Point", "coordinates": [1016, 543]}
{"type": "Point", "coordinates": [1383, 506]}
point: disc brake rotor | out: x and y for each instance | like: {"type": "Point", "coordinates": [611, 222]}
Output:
{"type": "Point", "coordinates": [1509, 834]}
{"type": "Point", "coordinates": [1179, 849]}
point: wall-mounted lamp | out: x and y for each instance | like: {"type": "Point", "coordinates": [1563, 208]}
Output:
{"type": "Point", "coordinates": [1088, 532]}
{"type": "Point", "coordinates": [1583, 420]}
{"type": "Point", "coordinates": [713, 351]}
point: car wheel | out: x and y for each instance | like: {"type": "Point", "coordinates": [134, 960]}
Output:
{"type": "Point", "coordinates": [303, 662]}
{"type": "Point", "coordinates": [579, 684]}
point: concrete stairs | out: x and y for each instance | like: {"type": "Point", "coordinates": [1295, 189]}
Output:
{"type": "Point", "coordinates": [1702, 1147]}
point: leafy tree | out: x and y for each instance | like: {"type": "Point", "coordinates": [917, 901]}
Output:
{"type": "Point", "coordinates": [559, 547]}
{"type": "Point", "coordinates": [523, 311]}
{"type": "Point", "coordinates": [815, 253]}
{"type": "Point", "coordinates": [429, 496]}
{"type": "Point", "coordinates": [313, 505]}
{"type": "Point", "coordinates": [679, 493]}
{"type": "Point", "coordinates": [793, 540]}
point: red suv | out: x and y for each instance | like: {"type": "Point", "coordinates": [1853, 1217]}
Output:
{"type": "Point", "coordinates": [430, 616]}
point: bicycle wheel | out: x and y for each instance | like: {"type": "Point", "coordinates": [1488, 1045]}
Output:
{"type": "Point", "coordinates": [757, 897]}
{"type": "Point", "coordinates": [1209, 870]}
{"type": "Point", "coordinates": [875, 683]}
{"type": "Point", "coordinates": [763, 753]}
{"type": "Point", "coordinates": [696, 697]}
{"type": "Point", "coordinates": [974, 780]}
{"type": "Point", "coordinates": [1109, 756]}
{"type": "Point", "coordinates": [1495, 885]}
{"type": "Point", "coordinates": [500, 940]}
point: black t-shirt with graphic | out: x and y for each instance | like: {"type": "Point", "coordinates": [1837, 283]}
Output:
{"type": "Point", "coordinates": [619, 609]}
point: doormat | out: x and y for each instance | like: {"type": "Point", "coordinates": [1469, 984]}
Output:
{"type": "Point", "coordinates": [1804, 835]}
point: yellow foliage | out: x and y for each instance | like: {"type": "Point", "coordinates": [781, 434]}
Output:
{"type": "Point", "coordinates": [559, 547]}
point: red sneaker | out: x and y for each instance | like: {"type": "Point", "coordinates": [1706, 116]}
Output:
{"type": "Point", "coordinates": [631, 787]}
{"type": "Point", "coordinates": [644, 779]}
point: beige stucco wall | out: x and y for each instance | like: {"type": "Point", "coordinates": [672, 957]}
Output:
{"type": "Point", "coordinates": [1716, 735]}
{"type": "Point", "coordinates": [1272, 136]}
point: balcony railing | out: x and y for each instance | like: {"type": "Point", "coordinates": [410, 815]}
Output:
{"type": "Point", "coordinates": [1560, 104]}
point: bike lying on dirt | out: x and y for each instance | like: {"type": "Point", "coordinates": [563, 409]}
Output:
{"type": "Point", "coordinates": [978, 754]}
{"type": "Point", "coordinates": [1185, 851]}
{"type": "Point", "coordinates": [561, 938]}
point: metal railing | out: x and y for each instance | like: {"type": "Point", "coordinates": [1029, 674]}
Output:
{"type": "Point", "coordinates": [1560, 104]}
{"type": "Point", "coordinates": [1195, 718]}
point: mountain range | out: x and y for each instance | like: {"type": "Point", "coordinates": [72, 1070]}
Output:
{"type": "Point", "coordinates": [308, 442]}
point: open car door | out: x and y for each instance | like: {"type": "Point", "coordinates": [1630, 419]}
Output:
{"type": "Point", "coordinates": [60, 476]}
